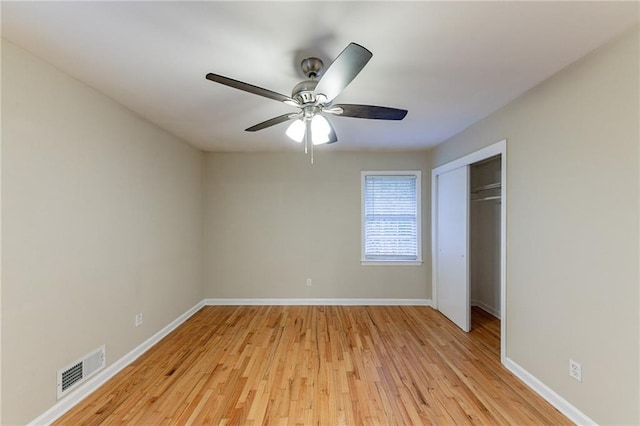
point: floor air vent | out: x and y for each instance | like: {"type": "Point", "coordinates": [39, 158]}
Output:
{"type": "Point", "coordinates": [77, 372]}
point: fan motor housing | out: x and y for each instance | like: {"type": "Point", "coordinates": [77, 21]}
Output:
{"type": "Point", "coordinates": [303, 92]}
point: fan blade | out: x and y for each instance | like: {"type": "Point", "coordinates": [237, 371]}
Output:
{"type": "Point", "coordinates": [343, 70]}
{"type": "Point", "coordinates": [251, 89]}
{"type": "Point", "coordinates": [367, 111]}
{"type": "Point", "coordinates": [272, 122]}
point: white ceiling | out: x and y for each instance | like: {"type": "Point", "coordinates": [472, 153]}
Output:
{"type": "Point", "coordinates": [449, 63]}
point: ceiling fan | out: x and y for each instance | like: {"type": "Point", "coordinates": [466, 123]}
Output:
{"type": "Point", "coordinates": [314, 98]}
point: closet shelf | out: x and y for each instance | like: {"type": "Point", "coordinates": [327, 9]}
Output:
{"type": "Point", "coordinates": [486, 187]}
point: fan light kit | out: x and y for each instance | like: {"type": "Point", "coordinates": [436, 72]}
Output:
{"type": "Point", "coordinates": [314, 98]}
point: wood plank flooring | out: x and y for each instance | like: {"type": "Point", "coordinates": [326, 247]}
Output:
{"type": "Point", "coordinates": [319, 365]}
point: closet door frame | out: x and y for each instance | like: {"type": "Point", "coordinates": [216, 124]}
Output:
{"type": "Point", "coordinates": [498, 148]}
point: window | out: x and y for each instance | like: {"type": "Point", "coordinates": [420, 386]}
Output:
{"type": "Point", "coordinates": [391, 228]}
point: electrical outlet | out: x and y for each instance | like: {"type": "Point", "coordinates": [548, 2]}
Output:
{"type": "Point", "coordinates": [575, 370]}
{"type": "Point", "coordinates": [139, 319]}
{"type": "Point", "coordinates": [309, 282]}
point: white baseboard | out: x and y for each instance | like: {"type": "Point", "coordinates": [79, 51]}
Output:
{"type": "Point", "coordinates": [485, 307]}
{"type": "Point", "coordinates": [315, 302]}
{"type": "Point", "coordinates": [103, 376]}
{"type": "Point", "coordinates": [547, 393]}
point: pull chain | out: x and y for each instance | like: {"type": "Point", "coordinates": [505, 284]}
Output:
{"type": "Point", "coordinates": [307, 131]}
{"type": "Point", "coordinates": [306, 141]}
{"type": "Point", "coordinates": [308, 144]}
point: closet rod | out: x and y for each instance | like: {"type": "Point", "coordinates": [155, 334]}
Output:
{"type": "Point", "coordinates": [487, 187]}
{"type": "Point", "coordinates": [495, 197]}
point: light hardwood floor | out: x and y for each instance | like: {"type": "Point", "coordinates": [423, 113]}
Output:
{"type": "Point", "coordinates": [319, 365]}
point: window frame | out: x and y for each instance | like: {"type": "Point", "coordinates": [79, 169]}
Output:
{"type": "Point", "coordinates": [418, 176]}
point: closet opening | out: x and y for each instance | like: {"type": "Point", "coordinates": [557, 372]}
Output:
{"type": "Point", "coordinates": [485, 183]}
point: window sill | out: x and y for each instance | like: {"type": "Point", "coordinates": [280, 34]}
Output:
{"type": "Point", "coordinates": [391, 262]}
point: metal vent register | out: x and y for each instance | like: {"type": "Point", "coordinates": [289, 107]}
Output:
{"type": "Point", "coordinates": [79, 371]}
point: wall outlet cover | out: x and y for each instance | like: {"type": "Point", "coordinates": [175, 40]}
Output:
{"type": "Point", "coordinates": [575, 370]}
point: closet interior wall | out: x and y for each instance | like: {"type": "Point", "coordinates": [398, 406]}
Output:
{"type": "Point", "coordinates": [484, 243]}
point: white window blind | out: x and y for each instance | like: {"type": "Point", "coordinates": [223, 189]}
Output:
{"type": "Point", "coordinates": [391, 215]}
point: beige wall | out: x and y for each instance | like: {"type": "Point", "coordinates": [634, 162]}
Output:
{"type": "Point", "coordinates": [102, 218]}
{"type": "Point", "coordinates": [572, 224]}
{"type": "Point", "coordinates": [273, 220]}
